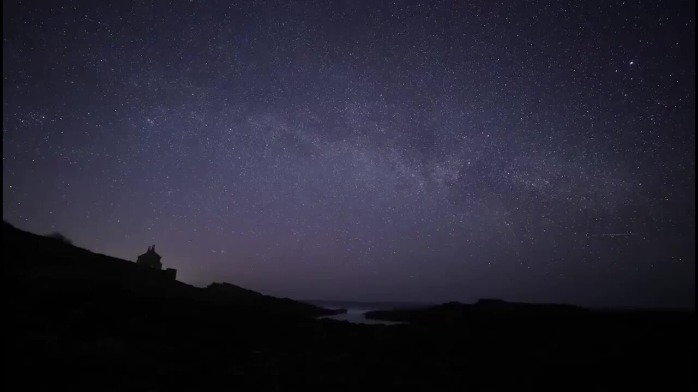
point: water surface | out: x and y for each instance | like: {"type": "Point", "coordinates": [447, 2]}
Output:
{"type": "Point", "coordinates": [356, 316]}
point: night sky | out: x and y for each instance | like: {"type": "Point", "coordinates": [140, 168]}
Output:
{"type": "Point", "coordinates": [364, 150]}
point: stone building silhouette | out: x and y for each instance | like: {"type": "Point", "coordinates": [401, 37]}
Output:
{"type": "Point", "coordinates": [151, 259]}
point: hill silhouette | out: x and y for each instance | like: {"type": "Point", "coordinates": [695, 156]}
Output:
{"type": "Point", "coordinates": [84, 321]}
{"type": "Point", "coordinates": [39, 265]}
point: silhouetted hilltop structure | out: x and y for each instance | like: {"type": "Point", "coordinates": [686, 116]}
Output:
{"type": "Point", "coordinates": [82, 321]}
{"type": "Point", "coordinates": [38, 265]}
{"type": "Point", "coordinates": [151, 259]}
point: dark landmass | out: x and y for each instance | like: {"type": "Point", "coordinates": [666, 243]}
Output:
{"type": "Point", "coordinates": [83, 321]}
{"type": "Point", "coordinates": [248, 300]}
{"type": "Point", "coordinates": [50, 266]}
{"type": "Point", "coordinates": [491, 309]}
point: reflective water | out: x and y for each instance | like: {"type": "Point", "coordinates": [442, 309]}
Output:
{"type": "Point", "coordinates": [356, 316]}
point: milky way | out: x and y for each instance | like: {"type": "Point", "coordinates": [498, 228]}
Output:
{"type": "Point", "coordinates": [429, 151]}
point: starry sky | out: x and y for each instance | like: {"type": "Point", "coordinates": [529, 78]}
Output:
{"type": "Point", "coordinates": [364, 150]}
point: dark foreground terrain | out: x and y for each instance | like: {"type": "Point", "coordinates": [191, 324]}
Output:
{"type": "Point", "coordinates": [82, 321]}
